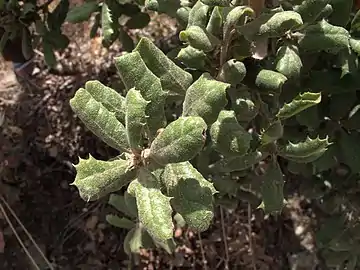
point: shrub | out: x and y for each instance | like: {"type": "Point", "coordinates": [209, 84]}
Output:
{"type": "Point", "coordinates": [247, 98]}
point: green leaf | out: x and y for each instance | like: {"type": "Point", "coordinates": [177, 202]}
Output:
{"type": "Point", "coordinates": [99, 120]}
{"type": "Point", "coordinates": [107, 24]}
{"type": "Point", "coordinates": [214, 25]}
{"type": "Point", "coordinates": [154, 207]}
{"type": "Point", "coordinates": [139, 20]}
{"type": "Point", "coordinates": [272, 189]}
{"type": "Point", "coordinates": [109, 98]}
{"type": "Point", "coordinates": [192, 194]}
{"type": "Point", "coordinates": [349, 150]}
{"type": "Point", "coordinates": [206, 97]}
{"type": "Point", "coordinates": [348, 61]}
{"type": "Point", "coordinates": [198, 15]}
{"type": "Point", "coordinates": [136, 239]}
{"type": "Point", "coordinates": [341, 12]}
{"type": "Point", "coordinates": [192, 57]}
{"type": "Point", "coordinates": [173, 78]}
{"type": "Point", "coordinates": [272, 24]}
{"type": "Point", "coordinates": [57, 17]}
{"type": "Point", "coordinates": [235, 16]}
{"type": "Point", "coordinates": [26, 44]}
{"type": "Point", "coordinates": [226, 185]}
{"type": "Point", "coordinates": [182, 15]}
{"type": "Point", "coordinates": [120, 222]}
{"type": "Point", "coordinates": [355, 25]}
{"type": "Point", "coordinates": [274, 132]}
{"type": "Point", "coordinates": [288, 61]}
{"type": "Point", "coordinates": [311, 9]}
{"type": "Point", "coordinates": [49, 54]}
{"type": "Point", "coordinates": [228, 137]}
{"type": "Point", "coordinates": [270, 81]}
{"type": "Point", "coordinates": [130, 202]}
{"type": "Point", "coordinates": [82, 12]}
{"type": "Point", "coordinates": [4, 39]}
{"type": "Point", "coordinates": [180, 141]}
{"type": "Point", "coordinates": [118, 202]}
{"type": "Point", "coordinates": [299, 103]}
{"type": "Point", "coordinates": [323, 36]}
{"type": "Point", "coordinates": [126, 41]}
{"type": "Point", "coordinates": [97, 178]}
{"type": "Point", "coordinates": [163, 6]}
{"type": "Point", "coordinates": [306, 151]}
{"type": "Point", "coordinates": [213, 3]}
{"type": "Point", "coordinates": [355, 45]}
{"type": "Point", "coordinates": [232, 72]}
{"type": "Point", "coordinates": [135, 119]}
{"type": "Point", "coordinates": [135, 74]}
{"type": "Point", "coordinates": [199, 38]}
{"type": "Point", "coordinates": [238, 163]}
{"type": "Point", "coordinates": [243, 105]}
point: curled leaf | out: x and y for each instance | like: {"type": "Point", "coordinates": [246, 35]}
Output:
{"type": "Point", "coordinates": [205, 98]}
{"type": "Point", "coordinates": [199, 38]}
{"type": "Point", "coordinates": [298, 104]}
{"type": "Point", "coordinates": [243, 105]}
{"type": "Point", "coordinates": [135, 119]}
{"type": "Point", "coordinates": [288, 61]}
{"type": "Point", "coordinates": [153, 207]}
{"type": "Point", "coordinates": [135, 74]}
{"type": "Point", "coordinates": [198, 15]}
{"type": "Point", "coordinates": [173, 79]}
{"type": "Point", "coordinates": [107, 24]}
{"type": "Point", "coordinates": [99, 120]}
{"type": "Point", "coordinates": [232, 72]}
{"type": "Point", "coordinates": [214, 25]}
{"type": "Point", "coordinates": [306, 151]}
{"type": "Point", "coordinates": [192, 57]}
{"type": "Point", "coordinates": [192, 194]}
{"type": "Point", "coordinates": [97, 178]}
{"type": "Point", "coordinates": [180, 141]}
{"type": "Point", "coordinates": [108, 97]}
{"type": "Point", "coordinates": [228, 137]}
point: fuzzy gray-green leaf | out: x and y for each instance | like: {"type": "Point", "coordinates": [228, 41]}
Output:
{"type": "Point", "coordinates": [97, 178]}
{"type": "Point", "coordinates": [311, 9]}
{"type": "Point", "coordinates": [154, 208]}
{"type": "Point", "coordinates": [120, 222]}
{"type": "Point", "coordinates": [243, 105]}
{"type": "Point", "coordinates": [198, 15]}
{"type": "Point", "coordinates": [270, 81]}
{"type": "Point", "coordinates": [99, 120]}
{"type": "Point", "coordinates": [106, 23]}
{"type": "Point", "coordinates": [173, 78]}
{"type": "Point", "coordinates": [205, 98]}
{"type": "Point", "coordinates": [135, 119]}
{"type": "Point", "coordinates": [108, 97]}
{"type": "Point", "coordinates": [180, 141]}
{"type": "Point", "coordinates": [192, 57]}
{"type": "Point", "coordinates": [323, 36]}
{"type": "Point", "coordinates": [82, 12]}
{"type": "Point", "coordinates": [228, 137]}
{"type": "Point", "coordinates": [238, 163]}
{"type": "Point", "coordinates": [192, 194]}
{"type": "Point", "coordinates": [215, 23]}
{"type": "Point", "coordinates": [134, 73]}
{"type": "Point", "coordinates": [199, 38]}
{"type": "Point", "coordinates": [288, 61]}
{"type": "Point", "coordinates": [232, 72]}
{"type": "Point", "coordinates": [298, 104]}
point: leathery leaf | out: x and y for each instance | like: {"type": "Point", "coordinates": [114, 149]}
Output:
{"type": "Point", "coordinates": [272, 133]}
{"type": "Point", "coordinates": [192, 194]}
{"type": "Point", "coordinates": [154, 208]}
{"type": "Point", "coordinates": [306, 151]}
{"type": "Point", "coordinates": [228, 136]}
{"type": "Point", "coordinates": [238, 163]}
{"type": "Point", "coordinates": [205, 98]}
{"type": "Point", "coordinates": [270, 80]}
{"type": "Point", "coordinates": [173, 79]}
{"type": "Point", "coordinates": [135, 119]}
{"type": "Point", "coordinates": [198, 15]}
{"type": "Point", "coordinates": [298, 104]}
{"type": "Point", "coordinates": [111, 99]}
{"type": "Point", "coordinates": [97, 178]}
{"type": "Point", "coordinates": [118, 202]}
{"type": "Point", "coordinates": [106, 24]}
{"type": "Point", "coordinates": [236, 16]}
{"type": "Point", "coordinates": [192, 57]}
{"type": "Point", "coordinates": [120, 222]}
{"type": "Point", "coordinates": [134, 73]}
{"type": "Point", "coordinates": [272, 189]}
{"type": "Point", "coordinates": [311, 9]}
{"type": "Point", "coordinates": [288, 61]}
{"type": "Point", "coordinates": [232, 72]}
{"type": "Point", "coordinates": [180, 141]}
{"type": "Point", "coordinates": [136, 239]}
{"type": "Point", "coordinates": [99, 120]}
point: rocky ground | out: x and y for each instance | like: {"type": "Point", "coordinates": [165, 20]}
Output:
{"type": "Point", "coordinates": [40, 138]}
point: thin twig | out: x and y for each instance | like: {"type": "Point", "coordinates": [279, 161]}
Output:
{"type": "Point", "coordinates": [202, 252]}
{"type": "Point", "coordinates": [224, 239]}
{"type": "Point", "coordinates": [18, 237]}
{"type": "Point", "coordinates": [27, 234]}
{"type": "Point", "coordinates": [253, 262]}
